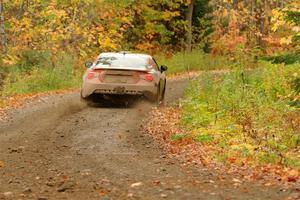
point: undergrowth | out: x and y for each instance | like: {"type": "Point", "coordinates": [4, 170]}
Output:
{"type": "Point", "coordinates": [39, 71]}
{"type": "Point", "coordinates": [249, 116]}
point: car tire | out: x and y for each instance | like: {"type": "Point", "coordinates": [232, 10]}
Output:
{"type": "Point", "coordinates": [159, 99]}
{"type": "Point", "coordinates": [86, 101]}
{"type": "Point", "coordinates": [163, 101]}
{"type": "Point", "coordinates": [82, 99]}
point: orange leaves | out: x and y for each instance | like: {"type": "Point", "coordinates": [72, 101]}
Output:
{"type": "Point", "coordinates": [102, 192]}
{"type": "Point", "coordinates": [236, 20]}
{"type": "Point", "coordinates": [163, 125]}
{"type": "Point", "coordinates": [146, 46]}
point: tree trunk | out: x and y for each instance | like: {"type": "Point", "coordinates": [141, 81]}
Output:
{"type": "Point", "coordinates": [3, 40]}
{"type": "Point", "coordinates": [189, 18]}
{"type": "Point", "coordinates": [235, 4]}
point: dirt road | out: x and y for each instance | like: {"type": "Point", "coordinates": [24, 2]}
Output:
{"type": "Point", "coordinates": [61, 149]}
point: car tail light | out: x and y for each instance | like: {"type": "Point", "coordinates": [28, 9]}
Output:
{"type": "Point", "coordinates": [147, 76]}
{"type": "Point", "coordinates": [93, 74]}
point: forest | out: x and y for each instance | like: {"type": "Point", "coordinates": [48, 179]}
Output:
{"type": "Point", "coordinates": [45, 43]}
{"type": "Point", "coordinates": [33, 31]}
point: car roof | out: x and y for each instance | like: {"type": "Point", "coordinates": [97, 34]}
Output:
{"type": "Point", "coordinates": [126, 54]}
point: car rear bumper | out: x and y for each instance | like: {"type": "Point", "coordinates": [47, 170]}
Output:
{"type": "Point", "coordinates": [148, 89]}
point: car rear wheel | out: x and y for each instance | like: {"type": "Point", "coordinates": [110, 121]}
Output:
{"type": "Point", "coordinates": [162, 101]}
{"type": "Point", "coordinates": [159, 100]}
{"type": "Point", "coordinates": [82, 99]}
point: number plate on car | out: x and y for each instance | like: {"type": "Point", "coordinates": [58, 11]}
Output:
{"type": "Point", "coordinates": [120, 90]}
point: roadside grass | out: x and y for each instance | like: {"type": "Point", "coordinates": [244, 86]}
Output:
{"type": "Point", "coordinates": [194, 61]}
{"type": "Point", "coordinates": [41, 80]}
{"type": "Point", "coordinates": [39, 72]}
{"type": "Point", "coordinates": [248, 116]}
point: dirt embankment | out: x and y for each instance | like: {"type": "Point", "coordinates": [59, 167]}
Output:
{"type": "Point", "coordinates": [61, 149]}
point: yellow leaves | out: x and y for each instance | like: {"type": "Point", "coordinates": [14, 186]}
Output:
{"type": "Point", "coordinates": [107, 42]}
{"type": "Point", "coordinates": [168, 15]}
{"type": "Point", "coordinates": [280, 22]}
{"type": "Point", "coordinates": [295, 75]}
{"type": "Point", "coordinates": [54, 17]}
{"type": "Point", "coordinates": [296, 29]}
{"type": "Point", "coordinates": [83, 53]}
{"type": "Point", "coordinates": [224, 13]}
{"type": "Point", "coordinates": [10, 60]}
{"type": "Point", "coordinates": [125, 20]}
{"type": "Point", "coordinates": [277, 19]}
{"type": "Point", "coordinates": [25, 23]}
{"type": "Point", "coordinates": [286, 40]}
{"type": "Point", "coordinates": [89, 24]}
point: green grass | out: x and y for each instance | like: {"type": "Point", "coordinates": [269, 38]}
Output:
{"type": "Point", "coordinates": [41, 80]}
{"type": "Point", "coordinates": [204, 138]}
{"type": "Point", "coordinates": [41, 72]}
{"type": "Point", "coordinates": [178, 136]}
{"type": "Point", "coordinates": [194, 61]}
{"type": "Point", "coordinates": [248, 113]}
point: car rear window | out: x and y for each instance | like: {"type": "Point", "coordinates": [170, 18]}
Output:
{"type": "Point", "coordinates": [122, 61]}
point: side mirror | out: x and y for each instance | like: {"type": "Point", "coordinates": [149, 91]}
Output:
{"type": "Point", "coordinates": [163, 68]}
{"type": "Point", "coordinates": [88, 64]}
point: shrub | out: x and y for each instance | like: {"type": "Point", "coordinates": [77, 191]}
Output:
{"type": "Point", "coordinates": [31, 59]}
{"type": "Point", "coordinates": [287, 58]}
{"type": "Point", "coordinates": [3, 74]}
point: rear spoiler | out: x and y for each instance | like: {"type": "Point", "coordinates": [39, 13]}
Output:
{"type": "Point", "coordinates": [124, 68]}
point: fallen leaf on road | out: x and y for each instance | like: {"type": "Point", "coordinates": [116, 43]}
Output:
{"type": "Point", "coordinates": [268, 184]}
{"type": "Point", "coordinates": [8, 194]}
{"type": "Point", "coordinates": [102, 193]}
{"type": "Point", "coordinates": [157, 182]}
{"type": "Point", "coordinates": [137, 184]}
{"type": "Point", "coordinates": [292, 179]}
{"type": "Point", "coordinates": [236, 180]}
{"type": "Point", "coordinates": [2, 164]}
{"type": "Point", "coordinates": [129, 195]}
